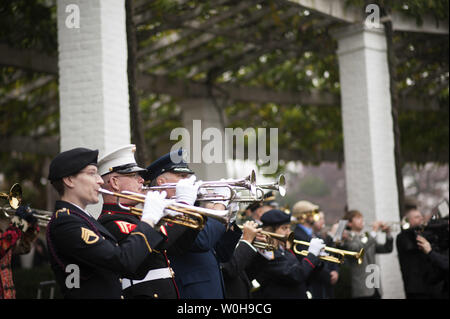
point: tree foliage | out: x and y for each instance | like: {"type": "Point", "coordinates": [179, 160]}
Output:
{"type": "Point", "coordinates": [273, 45]}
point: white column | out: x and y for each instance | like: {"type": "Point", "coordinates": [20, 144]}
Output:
{"type": "Point", "coordinates": [368, 136]}
{"type": "Point", "coordinates": [198, 116]}
{"type": "Point", "coordinates": [93, 82]}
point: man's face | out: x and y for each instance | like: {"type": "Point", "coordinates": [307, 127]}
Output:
{"type": "Point", "coordinates": [357, 223]}
{"type": "Point", "coordinates": [169, 177]}
{"type": "Point", "coordinates": [84, 185]}
{"type": "Point", "coordinates": [127, 182]}
{"type": "Point", "coordinates": [318, 225]}
{"type": "Point", "coordinates": [415, 218]}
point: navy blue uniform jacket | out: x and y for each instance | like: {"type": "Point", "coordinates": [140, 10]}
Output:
{"type": "Point", "coordinates": [197, 272]}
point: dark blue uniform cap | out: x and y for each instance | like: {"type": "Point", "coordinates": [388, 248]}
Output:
{"type": "Point", "coordinates": [71, 162]}
{"type": "Point", "coordinates": [275, 217]}
{"type": "Point", "coordinates": [171, 162]}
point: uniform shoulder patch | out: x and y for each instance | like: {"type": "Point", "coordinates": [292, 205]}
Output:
{"type": "Point", "coordinates": [125, 227]}
{"type": "Point", "coordinates": [88, 236]}
{"type": "Point", "coordinates": [62, 211]}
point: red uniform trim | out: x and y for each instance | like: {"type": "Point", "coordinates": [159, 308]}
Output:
{"type": "Point", "coordinates": [309, 262]}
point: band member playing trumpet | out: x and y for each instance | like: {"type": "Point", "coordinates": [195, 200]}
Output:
{"type": "Point", "coordinates": [356, 239]}
{"type": "Point", "coordinates": [198, 274]}
{"type": "Point", "coordinates": [16, 237]}
{"type": "Point", "coordinates": [236, 280]}
{"type": "Point", "coordinates": [279, 272]}
{"type": "Point", "coordinates": [87, 260]}
{"type": "Point", "coordinates": [310, 222]}
{"type": "Point", "coordinates": [120, 172]}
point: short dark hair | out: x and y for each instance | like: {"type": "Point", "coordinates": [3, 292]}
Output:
{"type": "Point", "coordinates": [58, 185]}
{"type": "Point", "coordinates": [349, 215]}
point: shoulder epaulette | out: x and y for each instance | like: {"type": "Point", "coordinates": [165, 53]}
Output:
{"type": "Point", "coordinates": [62, 210]}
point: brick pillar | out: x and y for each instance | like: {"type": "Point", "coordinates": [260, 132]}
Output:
{"type": "Point", "coordinates": [368, 136]}
{"type": "Point", "coordinates": [93, 82]}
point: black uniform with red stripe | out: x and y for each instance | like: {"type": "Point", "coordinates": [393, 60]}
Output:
{"type": "Point", "coordinates": [76, 239]}
{"type": "Point", "coordinates": [177, 239]}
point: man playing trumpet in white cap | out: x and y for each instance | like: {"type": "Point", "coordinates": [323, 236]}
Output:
{"type": "Point", "coordinates": [120, 172]}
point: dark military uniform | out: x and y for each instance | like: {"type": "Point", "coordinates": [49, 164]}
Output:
{"type": "Point", "coordinates": [158, 281]}
{"type": "Point", "coordinates": [319, 284]}
{"type": "Point", "coordinates": [279, 273]}
{"type": "Point", "coordinates": [75, 238]}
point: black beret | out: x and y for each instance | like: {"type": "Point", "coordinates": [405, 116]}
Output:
{"type": "Point", "coordinates": [71, 162]}
{"type": "Point", "coordinates": [275, 217]}
{"type": "Point", "coordinates": [171, 162]}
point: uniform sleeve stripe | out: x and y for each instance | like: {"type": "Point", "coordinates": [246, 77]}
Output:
{"type": "Point", "coordinates": [309, 262]}
{"type": "Point", "coordinates": [145, 239]}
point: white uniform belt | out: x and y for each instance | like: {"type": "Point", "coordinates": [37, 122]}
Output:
{"type": "Point", "coordinates": [160, 273]}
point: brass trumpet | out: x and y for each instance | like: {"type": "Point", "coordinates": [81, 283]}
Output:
{"type": "Point", "coordinates": [14, 198]}
{"type": "Point", "coordinates": [340, 252]}
{"type": "Point", "coordinates": [270, 245]}
{"type": "Point", "coordinates": [42, 216]}
{"type": "Point", "coordinates": [185, 215]}
{"type": "Point", "coordinates": [289, 239]}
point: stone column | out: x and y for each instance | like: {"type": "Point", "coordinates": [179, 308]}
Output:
{"type": "Point", "coordinates": [93, 83]}
{"type": "Point", "coordinates": [368, 136]}
{"type": "Point", "coordinates": [200, 117]}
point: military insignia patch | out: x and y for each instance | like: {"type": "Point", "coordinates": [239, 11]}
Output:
{"type": "Point", "coordinates": [88, 236]}
{"type": "Point", "coordinates": [125, 227]}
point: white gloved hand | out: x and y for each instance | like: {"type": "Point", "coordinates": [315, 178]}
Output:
{"type": "Point", "coordinates": [153, 211]}
{"type": "Point", "coordinates": [315, 246]}
{"type": "Point", "coordinates": [234, 207]}
{"type": "Point", "coordinates": [186, 190]}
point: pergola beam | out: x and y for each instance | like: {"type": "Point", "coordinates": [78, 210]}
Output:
{"type": "Point", "coordinates": [337, 9]}
{"type": "Point", "coordinates": [28, 59]}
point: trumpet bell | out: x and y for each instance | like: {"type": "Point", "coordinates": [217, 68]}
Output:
{"type": "Point", "coordinates": [282, 185]}
{"type": "Point", "coordinates": [14, 197]}
{"type": "Point", "coordinates": [359, 256]}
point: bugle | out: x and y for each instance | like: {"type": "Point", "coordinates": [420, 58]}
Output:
{"type": "Point", "coordinates": [340, 252]}
{"type": "Point", "coordinates": [269, 243]}
{"type": "Point", "coordinates": [247, 183]}
{"type": "Point", "coordinates": [289, 239]}
{"type": "Point", "coordinates": [182, 214]}
{"type": "Point", "coordinates": [41, 215]}
{"type": "Point", "coordinates": [279, 185]}
{"type": "Point", "coordinates": [14, 197]}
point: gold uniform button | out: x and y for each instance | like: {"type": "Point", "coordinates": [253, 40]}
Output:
{"type": "Point", "coordinates": [121, 297]}
{"type": "Point", "coordinates": [155, 296]}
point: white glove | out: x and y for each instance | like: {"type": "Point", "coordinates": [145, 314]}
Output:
{"type": "Point", "coordinates": [234, 207]}
{"type": "Point", "coordinates": [315, 246]}
{"type": "Point", "coordinates": [186, 190]}
{"type": "Point", "coordinates": [155, 202]}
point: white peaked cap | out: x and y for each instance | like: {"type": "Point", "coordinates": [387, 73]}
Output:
{"type": "Point", "coordinates": [120, 160]}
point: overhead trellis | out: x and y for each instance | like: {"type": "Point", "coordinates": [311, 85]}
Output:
{"type": "Point", "coordinates": [265, 63]}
